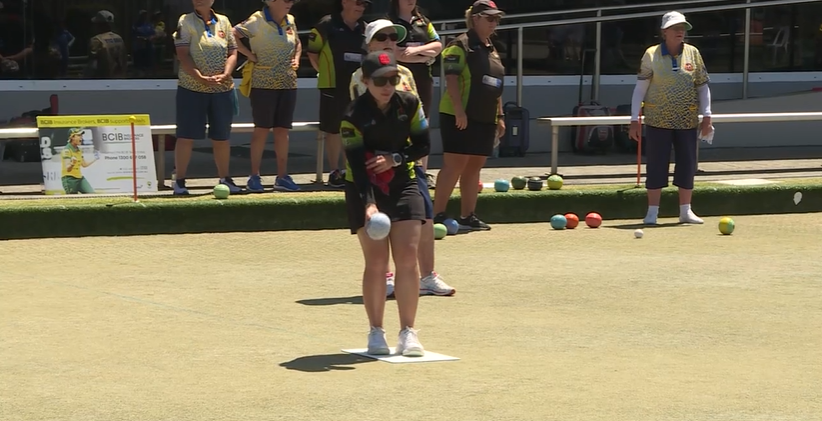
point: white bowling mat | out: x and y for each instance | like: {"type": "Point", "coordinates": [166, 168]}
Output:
{"type": "Point", "coordinates": [399, 359]}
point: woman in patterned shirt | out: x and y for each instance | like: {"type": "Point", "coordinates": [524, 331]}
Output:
{"type": "Point", "coordinates": [673, 83]}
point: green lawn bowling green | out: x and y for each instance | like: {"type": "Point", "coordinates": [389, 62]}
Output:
{"type": "Point", "coordinates": [684, 324]}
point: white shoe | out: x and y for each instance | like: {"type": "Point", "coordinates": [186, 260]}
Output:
{"type": "Point", "coordinates": [690, 218]}
{"type": "Point", "coordinates": [651, 215]}
{"type": "Point", "coordinates": [434, 285]}
{"type": "Point", "coordinates": [409, 345]}
{"type": "Point", "coordinates": [389, 284]}
{"type": "Point", "coordinates": [377, 345]}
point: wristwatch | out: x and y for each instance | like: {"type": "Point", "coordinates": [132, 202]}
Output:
{"type": "Point", "coordinates": [397, 159]}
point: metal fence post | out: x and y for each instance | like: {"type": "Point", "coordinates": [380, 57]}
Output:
{"type": "Point", "coordinates": [597, 58]}
{"type": "Point", "coordinates": [746, 61]}
{"type": "Point", "coordinates": [520, 70]}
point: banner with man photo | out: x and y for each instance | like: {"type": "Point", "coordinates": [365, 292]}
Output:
{"type": "Point", "coordinates": [93, 154]}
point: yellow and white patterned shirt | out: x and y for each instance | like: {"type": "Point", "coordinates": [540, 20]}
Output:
{"type": "Point", "coordinates": [357, 87]}
{"type": "Point", "coordinates": [274, 45]}
{"type": "Point", "coordinates": [209, 43]}
{"type": "Point", "coordinates": [672, 100]}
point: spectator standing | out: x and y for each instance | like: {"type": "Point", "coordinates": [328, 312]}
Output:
{"type": "Point", "coordinates": [471, 117]}
{"type": "Point", "coordinates": [335, 48]}
{"type": "Point", "coordinates": [417, 51]}
{"type": "Point", "coordinates": [274, 58]}
{"type": "Point", "coordinates": [383, 35]}
{"type": "Point", "coordinates": [207, 52]}
{"type": "Point", "coordinates": [107, 58]}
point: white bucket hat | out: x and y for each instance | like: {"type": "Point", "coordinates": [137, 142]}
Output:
{"type": "Point", "coordinates": [674, 18]}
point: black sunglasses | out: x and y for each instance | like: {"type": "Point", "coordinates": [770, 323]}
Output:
{"type": "Point", "coordinates": [381, 37]}
{"type": "Point", "coordinates": [381, 81]}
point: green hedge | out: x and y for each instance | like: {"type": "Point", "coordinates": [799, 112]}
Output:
{"type": "Point", "coordinates": [306, 211]}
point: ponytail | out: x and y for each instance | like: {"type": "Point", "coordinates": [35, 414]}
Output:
{"type": "Point", "coordinates": [469, 18]}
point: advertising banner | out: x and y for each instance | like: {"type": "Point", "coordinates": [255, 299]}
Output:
{"type": "Point", "coordinates": [92, 154]}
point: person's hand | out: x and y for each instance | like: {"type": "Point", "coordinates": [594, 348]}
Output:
{"type": "Point", "coordinates": [370, 210]}
{"type": "Point", "coordinates": [462, 120]}
{"type": "Point", "coordinates": [635, 131]}
{"type": "Point", "coordinates": [206, 80]}
{"type": "Point", "coordinates": [218, 79]}
{"type": "Point", "coordinates": [379, 164]}
{"type": "Point", "coordinates": [501, 128]}
{"type": "Point", "coordinates": [408, 52]}
{"type": "Point", "coordinates": [295, 63]}
{"type": "Point", "coordinates": [705, 126]}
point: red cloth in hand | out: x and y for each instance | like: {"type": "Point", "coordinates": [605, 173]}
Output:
{"type": "Point", "coordinates": [380, 180]}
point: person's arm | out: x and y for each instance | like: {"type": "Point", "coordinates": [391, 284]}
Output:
{"type": "Point", "coordinates": [68, 162]}
{"type": "Point", "coordinates": [182, 41]}
{"type": "Point", "coordinates": [354, 144]}
{"type": "Point", "coordinates": [420, 145]}
{"type": "Point", "coordinates": [316, 42]}
{"type": "Point", "coordinates": [245, 29]}
{"type": "Point", "coordinates": [298, 50]}
{"type": "Point", "coordinates": [453, 59]}
{"type": "Point", "coordinates": [644, 76]}
{"type": "Point", "coordinates": [701, 80]}
{"type": "Point", "coordinates": [231, 58]}
{"type": "Point", "coordinates": [71, 39]}
{"type": "Point", "coordinates": [353, 86]}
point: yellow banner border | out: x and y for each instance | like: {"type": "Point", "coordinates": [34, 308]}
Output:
{"type": "Point", "coordinates": [68, 121]}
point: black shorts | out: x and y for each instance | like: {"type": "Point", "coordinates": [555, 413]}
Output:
{"type": "Point", "coordinates": [404, 202]}
{"type": "Point", "coordinates": [273, 108]}
{"type": "Point", "coordinates": [333, 103]}
{"type": "Point", "coordinates": [476, 139]}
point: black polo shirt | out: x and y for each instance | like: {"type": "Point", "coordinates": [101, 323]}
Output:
{"type": "Point", "coordinates": [340, 50]}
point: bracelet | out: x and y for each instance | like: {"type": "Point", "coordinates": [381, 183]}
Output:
{"type": "Point", "coordinates": [500, 115]}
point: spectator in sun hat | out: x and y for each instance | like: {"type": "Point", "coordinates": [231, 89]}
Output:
{"type": "Point", "coordinates": [471, 116]}
{"type": "Point", "coordinates": [383, 35]}
{"type": "Point", "coordinates": [107, 56]}
{"type": "Point", "coordinates": [673, 83]}
{"type": "Point", "coordinates": [271, 72]}
{"type": "Point", "coordinates": [207, 51]}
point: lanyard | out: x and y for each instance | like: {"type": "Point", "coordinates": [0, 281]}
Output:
{"type": "Point", "coordinates": [268, 18]}
{"type": "Point", "coordinates": [212, 21]}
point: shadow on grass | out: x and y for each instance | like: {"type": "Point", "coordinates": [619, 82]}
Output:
{"type": "Point", "coordinates": [357, 299]}
{"type": "Point", "coordinates": [325, 363]}
{"type": "Point", "coordinates": [643, 226]}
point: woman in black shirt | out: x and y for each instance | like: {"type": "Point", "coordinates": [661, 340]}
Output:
{"type": "Point", "coordinates": [384, 132]}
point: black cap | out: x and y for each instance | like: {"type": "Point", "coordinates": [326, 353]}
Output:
{"type": "Point", "coordinates": [378, 63]}
{"type": "Point", "coordinates": [485, 7]}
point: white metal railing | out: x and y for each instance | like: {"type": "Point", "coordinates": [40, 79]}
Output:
{"type": "Point", "coordinates": [169, 129]}
{"type": "Point", "coordinates": [520, 27]}
{"type": "Point", "coordinates": [589, 10]}
{"type": "Point", "coordinates": [557, 122]}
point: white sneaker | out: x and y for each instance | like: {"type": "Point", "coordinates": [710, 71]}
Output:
{"type": "Point", "coordinates": [389, 284]}
{"type": "Point", "coordinates": [690, 218]}
{"type": "Point", "coordinates": [649, 220]}
{"type": "Point", "coordinates": [377, 345]}
{"type": "Point", "coordinates": [434, 285]}
{"type": "Point", "coordinates": [409, 345]}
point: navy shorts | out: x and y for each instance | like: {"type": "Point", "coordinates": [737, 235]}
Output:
{"type": "Point", "coordinates": [658, 144]}
{"type": "Point", "coordinates": [422, 183]}
{"type": "Point", "coordinates": [196, 109]}
{"type": "Point", "coordinates": [273, 108]}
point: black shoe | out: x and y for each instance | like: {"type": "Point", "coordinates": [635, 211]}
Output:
{"type": "Point", "coordinates": [336, 179]}
{"type": "Point", "coordinates": [440, 218]}
{"type": "Point", "coordinates": [472, 223]}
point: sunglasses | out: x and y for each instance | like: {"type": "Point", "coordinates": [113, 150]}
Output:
{"type": "Point", "coordinates": [381, 81]}
{"type": "Point", "coordinates": [381, 37]}
{"type": "Point", "coordinates": [491, 18]}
